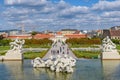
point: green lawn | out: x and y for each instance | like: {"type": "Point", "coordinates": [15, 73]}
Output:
{"type": "Point", "coordinates": [32, 55]}
{"type": "Point", "coordinates": [86, 54]}
{"type": "Point", "coordinates": [37, 46]}
{"type": "Point", "coordinates": [29, 55]}
{"type": "Point", "coordinates": [2, 52]}
{"type": "Point", "coordinates": [4, 48]}
{"type": "Point", "coordinates": [118, 47]}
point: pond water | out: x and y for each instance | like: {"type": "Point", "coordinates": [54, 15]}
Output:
{"type": "Point", "coordinates": [86, 69]}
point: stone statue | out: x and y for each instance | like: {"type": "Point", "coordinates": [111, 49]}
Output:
{"type": "Point", "coordinates": [38, 62]}
{"type": "Point", "coordinates": [108, 45]}
{"type": "Point", "coordinates": [109, 50]}
{"type": "Point", "coordinates": [17, 44]}
{"type": "Point", "coordinates": [58, 64]}
{"type": "Point", "coordinates": [15, 52]}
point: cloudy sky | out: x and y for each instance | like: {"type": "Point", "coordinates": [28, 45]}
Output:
{"type": "Point", "coordinates": [58, 14]}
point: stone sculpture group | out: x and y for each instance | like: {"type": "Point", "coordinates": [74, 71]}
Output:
{"type": "Point", "coordinates": [108, 45]}
{"type": "Point", "coordinates": [58, 64]}
{"type": "Point", "coordinates": [17, 44]}
{"type": "Point", "coordinates": [109, 50]}
{"type": "Point", "coordinates": [15, 52]}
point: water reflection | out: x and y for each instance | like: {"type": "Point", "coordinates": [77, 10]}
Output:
{"type": "Point", "coordinates": [88, 70]}
{"type": "Point", "coordinates": [111, 69]}
{"type": "Point", "coordinates": [14, 70]}
{"type": "Point", "coordinates": [85, 70]}
{"type": "Point", "coordinates": [46, 73]}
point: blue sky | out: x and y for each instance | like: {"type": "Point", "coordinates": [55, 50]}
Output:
{"type": "Point", "coordinates": [82, 2]}
{"type": "Point", "coordinates": [58, 14]}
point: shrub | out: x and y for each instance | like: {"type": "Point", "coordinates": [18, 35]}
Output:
{"type": "Point", "coordinates": [83, 41]}
{"type": "Point", "coordinates": [116, 41]}
{"type": "Point", "coordinates": [5, 42]}
{"type": "Point", "coordinates": [38, 41]}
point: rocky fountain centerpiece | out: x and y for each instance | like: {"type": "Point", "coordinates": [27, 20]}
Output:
{"type": "Point", "coordinates": [57, 64]}
{"type": "Point", "coordinates": [15, 52]}
{"type": "Point", "coordinates": [109, 50]}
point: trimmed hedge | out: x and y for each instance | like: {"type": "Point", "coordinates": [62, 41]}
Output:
{"type": "Point", "coordinates": [30, 42]}
{"type": "Point", "coordinates": [87, 41]}
{"type": "Point", "coordinates": [37, 41]}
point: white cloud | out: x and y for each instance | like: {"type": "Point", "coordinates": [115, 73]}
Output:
{"type": "Point", "coordinates": [31, 2]}
{"type": "Point", "coordinates": [44, 13]}
{"type": "Point", "coordinates": [111, 14]}
{"type": "Point", "coordinates": [106, 5]}
{"type": "Point", "coordinates": [73, 12]}
{"type": "Point", "coordinates": [76, 9]}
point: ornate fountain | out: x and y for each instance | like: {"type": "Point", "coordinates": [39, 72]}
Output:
{"type": "Point", "coordinates": [58, 64]}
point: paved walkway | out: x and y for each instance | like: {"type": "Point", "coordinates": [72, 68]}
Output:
{"type": "Point", "coordinates": [59, 48]}
{"type": "Point", "coordinates": [87, 49]}
{"type": "Point", "coordinates": [33, 49]}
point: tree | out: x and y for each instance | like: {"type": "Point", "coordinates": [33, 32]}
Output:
{"type": "Point", "coordinates": [1, 37]}
{"type": "Point", "coordinates": [33, 33]}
